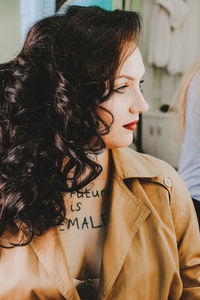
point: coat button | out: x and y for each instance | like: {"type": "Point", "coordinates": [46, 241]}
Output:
{"type": "Point", "coordinates": [167, 182]}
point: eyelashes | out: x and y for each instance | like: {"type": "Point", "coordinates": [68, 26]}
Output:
{"type": "Point", "coordinates": [123, 88]}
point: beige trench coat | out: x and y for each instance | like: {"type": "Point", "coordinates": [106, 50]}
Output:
{"type": "Point", "coordinates": [151, 250]}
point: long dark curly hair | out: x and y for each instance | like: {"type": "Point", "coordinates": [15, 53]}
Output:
{"type": "Point", "coordinates": [49, 98]}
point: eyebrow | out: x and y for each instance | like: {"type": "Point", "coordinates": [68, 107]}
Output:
{"type": "Point", "coordinates": [125, 76]}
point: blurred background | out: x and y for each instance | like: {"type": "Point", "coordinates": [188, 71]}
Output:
{"type": "Point", "coordinates": [170, 45]}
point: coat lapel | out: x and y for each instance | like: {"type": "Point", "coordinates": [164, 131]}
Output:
{"type": "Point", "coordinates": [50, 255]}
{"type": "Point", "coordinates": [127, 214]}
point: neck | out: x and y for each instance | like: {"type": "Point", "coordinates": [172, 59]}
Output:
{"type": "Point", "coordinates": [104, 160]}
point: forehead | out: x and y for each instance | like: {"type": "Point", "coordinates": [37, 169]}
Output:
{"type": "Point", "coordinates": [133, 65]}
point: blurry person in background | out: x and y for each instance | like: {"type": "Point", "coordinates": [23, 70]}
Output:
{"type": "Point", "coordinates": [187, 102]}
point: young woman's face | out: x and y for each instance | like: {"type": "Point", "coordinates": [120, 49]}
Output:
{"type": "Point", "coordinates": [126, 103]}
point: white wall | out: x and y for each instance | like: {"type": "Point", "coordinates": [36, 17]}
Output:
{"type": "Point", "coordinates": [159, 84]}
{"type": "Point", "coordinates": [10, 29]}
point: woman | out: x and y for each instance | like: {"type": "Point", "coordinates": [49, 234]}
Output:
{"type": "Point", "coordinates": [95, 221]}
{"type": "Point", "coordinates": [186, 103]}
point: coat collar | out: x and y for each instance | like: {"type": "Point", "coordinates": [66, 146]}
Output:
{"type": "Point", "coordinates": [131, 164]}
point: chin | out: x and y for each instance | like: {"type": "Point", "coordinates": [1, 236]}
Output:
{"type": "Point", "coordinates": [119, 143]}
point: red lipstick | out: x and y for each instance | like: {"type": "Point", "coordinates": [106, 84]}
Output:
{"type": "Point", "coordinates": [131, 126]}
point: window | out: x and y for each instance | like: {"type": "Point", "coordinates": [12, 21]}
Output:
{"type": "Point", "coordinates": [62, 6]}
{"type": "Point", "coordinates": [33, 10]}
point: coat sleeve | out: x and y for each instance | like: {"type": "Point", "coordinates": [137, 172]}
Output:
{"type": "Point", "coordinates": [188, 239]}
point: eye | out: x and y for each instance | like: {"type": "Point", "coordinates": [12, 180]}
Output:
{"type": "Point", "coordinates": [121, 89]}
{"type": "Point", "coordinates": [140, 85]}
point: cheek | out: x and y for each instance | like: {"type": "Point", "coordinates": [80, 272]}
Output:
{"type": "Point", "coordinates": [106, 115]}
{"type": "Point", "coordinates": [118, 136]}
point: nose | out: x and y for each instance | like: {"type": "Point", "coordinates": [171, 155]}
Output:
{"type": "Point", "coordinates": [138, 105]}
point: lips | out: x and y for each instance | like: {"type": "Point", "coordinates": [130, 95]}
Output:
{"type": "Point", "coordinates": [131, 126]}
